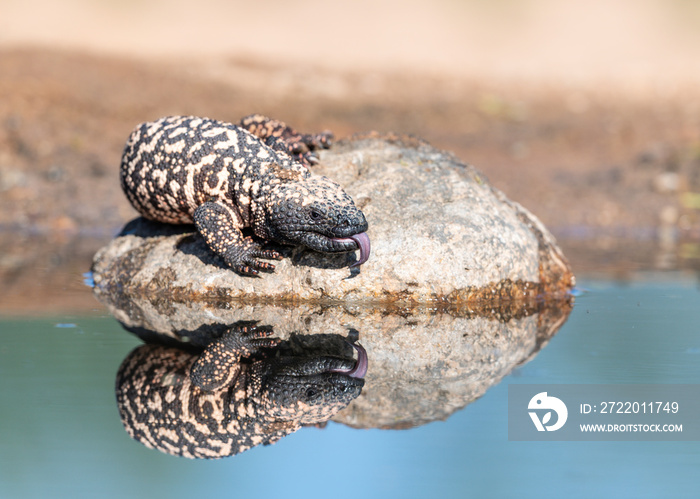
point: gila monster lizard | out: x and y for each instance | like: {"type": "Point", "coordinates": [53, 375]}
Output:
{"type": "Point", "coordinates": [248, 401]}
{"type": "Point", "coordinates": [225, 177]}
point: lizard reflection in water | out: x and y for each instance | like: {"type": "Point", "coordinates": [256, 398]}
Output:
{"type": "Point", "coordinates": [237, 394]}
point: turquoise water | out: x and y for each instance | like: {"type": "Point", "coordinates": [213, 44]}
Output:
{"type": "Point", "coordinates": [60, 433]}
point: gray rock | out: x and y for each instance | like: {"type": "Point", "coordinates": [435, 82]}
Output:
{"type": "Point", "coordinates": [440, 233]}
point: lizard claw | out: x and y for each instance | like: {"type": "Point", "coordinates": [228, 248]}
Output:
{"type": "Point", "coordinates": [254, 267]}
{"type": "Point", "coordinates": [312, 158]}
{"type": "Point", "coordinates": [323, 140]}
{"type": "Point", "coordinates": [304, 147]}
{"type": "Point", "coordinates": [245, 270]}
{"type": "Point", "coordinates": [251, 266]}
{"type": "Point", "coordinates": [269, 254]}
{"type": "Point", "coordinates": [255, 337]}
{"type": "Point", "coordinates": [265, 266]}
{"type": "Point", "coordinates": [251, 338]}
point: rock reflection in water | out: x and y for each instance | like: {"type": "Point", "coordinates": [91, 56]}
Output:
{"type": "Point", "coordinates": [245, 389]}
{"type": "Point", "coordinates": [425, 363]}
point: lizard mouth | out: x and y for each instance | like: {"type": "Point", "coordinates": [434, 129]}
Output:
{"type": "Point", "coordinates": [314, 366]}
{"type": "Point", "coordinates": [362, 242]}
{"type": "Point", "coordinates": [328, 244]}
{"type": "Point", "coordinates": [360, 368]}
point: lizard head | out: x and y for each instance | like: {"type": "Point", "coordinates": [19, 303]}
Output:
{"type": "Point", "coordinates": [311, 390]}
{"type": "Point", "coordinates": [315, 212]}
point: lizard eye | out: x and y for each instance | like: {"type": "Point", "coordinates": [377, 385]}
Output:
{"type": "Point", "coordinates": [310, 393]}
{"type": "Point", "coordinates": [315, 215]}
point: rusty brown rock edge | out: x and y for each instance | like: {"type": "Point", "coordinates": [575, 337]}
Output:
{"type": "Point", "coordinates": [116, 280]}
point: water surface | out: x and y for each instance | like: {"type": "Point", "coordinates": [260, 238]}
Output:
{"type": "Point", "coordinates": [60, 432]}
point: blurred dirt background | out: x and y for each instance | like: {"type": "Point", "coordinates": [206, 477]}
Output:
{"type": "Point", "coordinates": [585, 112]}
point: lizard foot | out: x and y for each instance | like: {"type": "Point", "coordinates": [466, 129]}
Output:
{"type": "Point", "coordinates": [248, 263]}
{"type": "Point", "coordinates": [278, 135]}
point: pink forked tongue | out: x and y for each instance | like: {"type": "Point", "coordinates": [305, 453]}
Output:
{"type": "Point", "coordinates": [362, 241]}
{"type": "Point", "coordinates": [360, 368]}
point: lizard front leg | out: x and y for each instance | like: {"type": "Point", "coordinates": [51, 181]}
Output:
{"type": "Point", "coordinates": [221, 228]}
{"type": "Point", "coordinates": [278, 135]}
{"type": "Point", "coordinates": [219, 364]}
